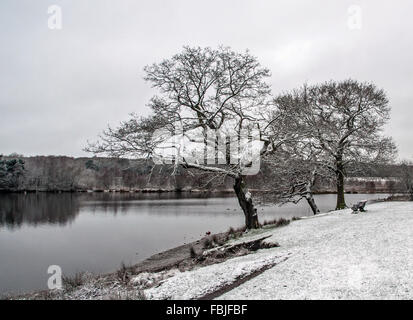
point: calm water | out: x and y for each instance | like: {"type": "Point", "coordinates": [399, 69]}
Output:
{"type": "Point", "coordinates": [96, 232]}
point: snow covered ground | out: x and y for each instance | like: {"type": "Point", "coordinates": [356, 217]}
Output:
{"type": "Point", "coordinates": [333, 256]}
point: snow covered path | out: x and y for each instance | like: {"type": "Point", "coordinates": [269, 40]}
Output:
{"type": "Point", "coordinates": [334, 256]}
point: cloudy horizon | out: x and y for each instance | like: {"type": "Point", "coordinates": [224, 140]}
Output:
{"type": "Point", "coordinates": [62, 87]}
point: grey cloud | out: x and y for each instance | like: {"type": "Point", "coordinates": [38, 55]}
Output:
{"type": "Point", "coordinates": [60, 88]}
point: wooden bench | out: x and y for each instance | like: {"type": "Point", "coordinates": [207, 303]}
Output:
{"type": "Point", "coordinates": [359, 206]}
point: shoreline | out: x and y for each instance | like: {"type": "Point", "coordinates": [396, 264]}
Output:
{"type": "Point", "coordinates": [161, 263]}
{"type": "Point", "coordinates": [158, 191]}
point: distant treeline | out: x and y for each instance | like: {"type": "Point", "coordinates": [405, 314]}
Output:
{"type": "Point", "coordinates": [60, 173]}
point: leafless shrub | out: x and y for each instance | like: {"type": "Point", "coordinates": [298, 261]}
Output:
{"type": "Point", "coordinates": [231, 231]}
{"type": "Point", "coordinates": [207, 243]}
{"type": "Point", "coordinates": [269, 222]}
{"type": "Point", "coordinates": [282, 222]}
{"type": "Point", "coordinates": [276, 222]}
{"type": "Point", "coordinates": [123, 273]}
{"type": "Point", "coordinates": [192, 252]}
{"type": "Point", "coordinates": [215, 238]}
{"type": "Point", "coordinates": [234, 233]}
{"type": "Point", "coordinates": [219, 240]}
{"type": "Point", "coordinates": [72, 282]}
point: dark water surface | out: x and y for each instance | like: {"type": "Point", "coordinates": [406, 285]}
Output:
{"type": "Point", "coordinates": [98, 231]}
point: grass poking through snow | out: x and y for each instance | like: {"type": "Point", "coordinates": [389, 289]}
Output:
{"type": "Point", "coordinates": [72, 282]}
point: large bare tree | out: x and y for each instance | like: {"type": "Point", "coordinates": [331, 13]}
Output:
{"type": "Point", "coordinates": [209, 101]}
{"type": "Point", "coordinates": [346, 122]}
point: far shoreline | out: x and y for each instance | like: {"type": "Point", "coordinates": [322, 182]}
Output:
{"type": "Point", "coordinates": [204, 191]}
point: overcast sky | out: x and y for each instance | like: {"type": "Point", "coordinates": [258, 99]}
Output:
{"type": "Point", "coordinates": [60, 88]}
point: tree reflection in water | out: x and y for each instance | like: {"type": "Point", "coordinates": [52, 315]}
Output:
{"type": "Point", "coordinates": [18, 209]}
{"type": "Point", "coordinates": [37, 208]}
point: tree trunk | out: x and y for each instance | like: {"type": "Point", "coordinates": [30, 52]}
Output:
{"type": "Point", "coordinates": [341, 203]}
{"type": "Point", "coordinates": [310, 199]}
{"type": "Point", "coordinates": [309, 193]}
{"type": "Point", "coordinates": [245, 201]}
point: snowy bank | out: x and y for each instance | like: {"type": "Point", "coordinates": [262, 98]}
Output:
{"type": "Point", "coordinates": [333, 256]}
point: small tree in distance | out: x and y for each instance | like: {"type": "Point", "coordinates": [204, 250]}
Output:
{"type": "Point", "coordinates": [406, 175]}
{"type": "Point", "coordinates": [294, 177]}
{"type": "Point", "coordinates": [11, 170]}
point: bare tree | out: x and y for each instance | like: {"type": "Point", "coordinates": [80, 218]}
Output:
{"type": "Point", "coordinates": [406, 173]}
{"type": "Point", "coordinates": [294, 173]}
{"type": "Point", "coordinates": [346, 120]}
{"type": "Point", "coordinates": [295, 164]}
{"type": "Point", "coordinates": [209, 99]}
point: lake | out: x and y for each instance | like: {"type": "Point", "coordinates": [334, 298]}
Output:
{"type": "Point", "coordinates": [96, 232]}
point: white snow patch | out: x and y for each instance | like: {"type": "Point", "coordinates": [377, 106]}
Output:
{"type": "Point", "coordinates": [341, 256]}
{"type": "Point", "coordinates": [148, 279]}
{"type": "Point", "coordinates": [199, 282]}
